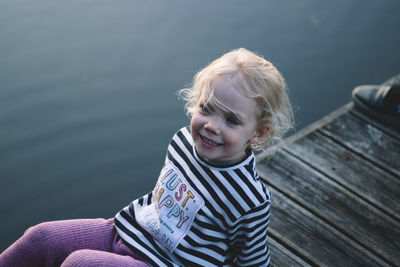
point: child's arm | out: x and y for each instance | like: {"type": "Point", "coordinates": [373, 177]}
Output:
{"type": "Point", "coordinates": [251, 237]}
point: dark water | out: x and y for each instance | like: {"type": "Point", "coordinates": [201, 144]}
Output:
{"type": "Point", "coordinates": [87, 95]}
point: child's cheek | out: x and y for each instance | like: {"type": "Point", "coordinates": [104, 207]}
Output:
{"type": "Point", "coordinates": [197, 120]}
{"type": "Point", "coordinates": [194, 125]}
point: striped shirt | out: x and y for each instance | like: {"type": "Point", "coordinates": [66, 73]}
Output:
{"type": "Point", "coordinates": [199, 214]}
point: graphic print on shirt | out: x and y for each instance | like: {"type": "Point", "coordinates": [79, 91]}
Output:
{"type": "Point", "coordinates": [174, 206]}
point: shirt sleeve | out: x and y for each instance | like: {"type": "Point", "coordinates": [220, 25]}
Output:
{"type": "Point", "coordinates": [251, 237]}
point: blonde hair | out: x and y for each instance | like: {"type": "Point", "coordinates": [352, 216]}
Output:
{"type": "Point", "coordinates": [259, 80]}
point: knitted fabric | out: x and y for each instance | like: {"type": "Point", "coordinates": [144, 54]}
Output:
{"type": "Point", "coordinates": [83, 242]}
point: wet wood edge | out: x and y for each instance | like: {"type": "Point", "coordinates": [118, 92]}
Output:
{"type": "Point", "coordinates": [312, 127]}
{"type": "Point", "coordinates": [348, 107]}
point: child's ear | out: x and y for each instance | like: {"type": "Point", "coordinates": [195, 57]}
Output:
{"type": "Point", "coordinates": [260, 133]}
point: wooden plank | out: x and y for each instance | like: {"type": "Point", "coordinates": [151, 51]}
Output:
{"type": "Point", "coordinates": [334, 204]}
{"type": "Point", "coordinates": [366, 140]}
{"type": "Point", "coordinates": [298, 250]}
{"type": "Point", "coordinates": [392, 131]}
{"type": "Point", "coordinates": [316, 237]}
{"type": "Point", "coordinates": [361, 177]}
{"type": "Point", "coordinates": [281, 256]}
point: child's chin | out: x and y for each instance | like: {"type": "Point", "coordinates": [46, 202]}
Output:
{"type": "Point", "coordinates": [206, 156]}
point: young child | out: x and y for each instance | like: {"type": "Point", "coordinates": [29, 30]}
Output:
{"type": "Point", "coordinates": [208, 207]}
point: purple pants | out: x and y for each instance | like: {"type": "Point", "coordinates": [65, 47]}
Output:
{"type": "Point", "coordinates": [84, 242]}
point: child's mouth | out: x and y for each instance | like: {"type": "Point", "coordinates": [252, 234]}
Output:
{"type": "Point", "coordinates": [208, 142]}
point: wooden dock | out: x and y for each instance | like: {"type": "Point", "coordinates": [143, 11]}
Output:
{"type": "Point", "coordinates": [335, 190]}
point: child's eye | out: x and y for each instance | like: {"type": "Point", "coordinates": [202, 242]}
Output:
{"type": "Point", "coordinates": [233, 121]}
{"type": "Point", "coordinates": [205, 109]}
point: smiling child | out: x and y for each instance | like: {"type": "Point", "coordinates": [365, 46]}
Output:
{"type": "Point", "coordinates": [208, 207]}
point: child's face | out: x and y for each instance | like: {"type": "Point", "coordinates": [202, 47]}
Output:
{"type": "Point", "coordinates": [222, 134]}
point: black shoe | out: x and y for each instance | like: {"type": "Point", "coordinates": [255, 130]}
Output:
{"type": "Point", "coordinates": [381, 102]}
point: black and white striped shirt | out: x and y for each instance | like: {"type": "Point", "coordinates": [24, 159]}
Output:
{"type": "Point", "coordinates": [223, 219]}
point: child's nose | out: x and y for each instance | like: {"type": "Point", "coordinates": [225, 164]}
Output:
{"type": "Point", "coordinates": [213, 125]}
